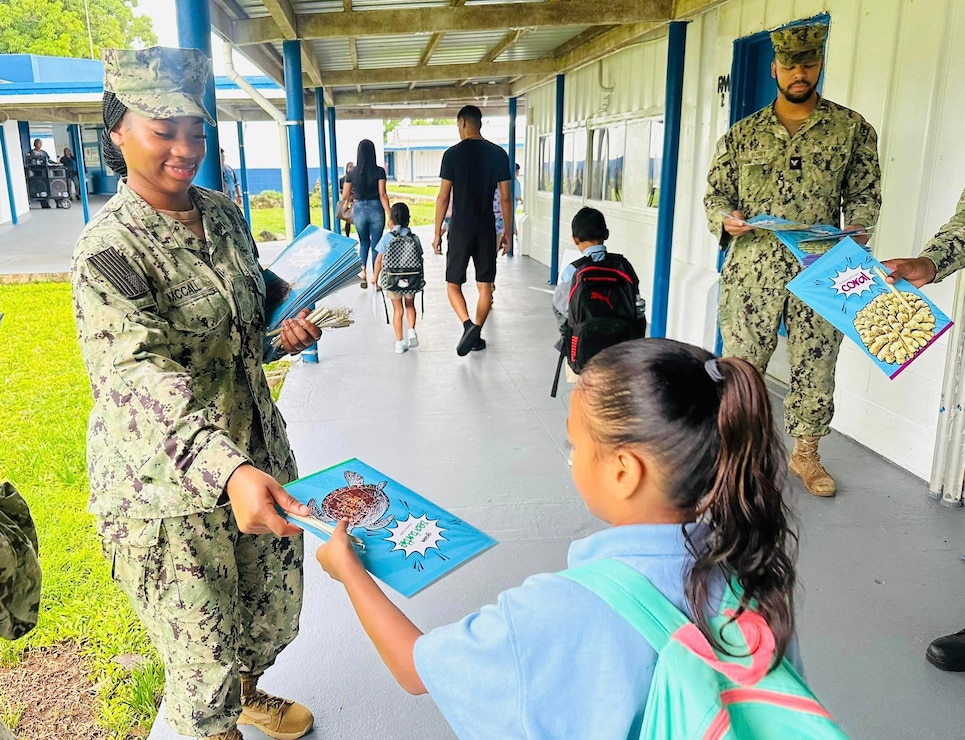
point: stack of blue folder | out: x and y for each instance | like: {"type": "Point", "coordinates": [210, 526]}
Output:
{"type": "Point", "coordinates": [317, 263]}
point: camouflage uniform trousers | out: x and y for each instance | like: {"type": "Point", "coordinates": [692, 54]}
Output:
{"type": "Point", "coordinates": [749, 322]}
{"type": "Point", "coordinates": [216, 603]}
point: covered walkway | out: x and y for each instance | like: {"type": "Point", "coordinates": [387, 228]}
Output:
{"type": "Point", "coordinates": [880, 564]}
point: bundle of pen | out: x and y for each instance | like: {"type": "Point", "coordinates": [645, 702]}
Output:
{"type": "Point", "coordinates": [323, 317]}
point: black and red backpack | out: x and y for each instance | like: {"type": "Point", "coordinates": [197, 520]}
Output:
{"type": "Point", "coordinates": [603, 310]}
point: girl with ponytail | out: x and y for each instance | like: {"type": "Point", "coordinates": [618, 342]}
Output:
{"type": "Point", "coordinates": [676, 450]}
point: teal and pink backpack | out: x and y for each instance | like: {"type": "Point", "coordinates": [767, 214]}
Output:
{"type": "Point", "coordinates": [697, 693]}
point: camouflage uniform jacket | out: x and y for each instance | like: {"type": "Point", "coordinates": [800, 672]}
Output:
{"type": "Point", "coordinates": [829, 166]}
{"type": "Point", "coordinates": [171, 332]}
{"type": "Point", "coordinates": [19, 567]}
{"type": "Point", "coordinates": [947, 248]}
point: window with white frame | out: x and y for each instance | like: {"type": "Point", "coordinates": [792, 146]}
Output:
{"type": "Point", "coordinates": [641, 173]}
{"type": "Point", "coordinates": [608, 151]}
{"type": "Point", "coordinates": [546, 161]}
{"type": "Point", "coordinates": [574, 162]}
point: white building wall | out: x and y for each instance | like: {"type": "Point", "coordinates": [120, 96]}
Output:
{"type": "Point", "coordinates": [11, 135]}
{"type": "Point", "coordinates": [898, 63]}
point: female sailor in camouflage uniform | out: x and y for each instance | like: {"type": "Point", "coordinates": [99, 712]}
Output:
{"type": "Point", "coordinates": [186, 450]}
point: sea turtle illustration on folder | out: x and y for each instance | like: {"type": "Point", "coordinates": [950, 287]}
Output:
{"type": "Point", "coordinates": [364, 505]}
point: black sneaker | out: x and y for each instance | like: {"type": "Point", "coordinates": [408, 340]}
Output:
{"type": "Point", "coordinates": [469, 339]}
{"type": "Point", "coordinates": [479, 345]}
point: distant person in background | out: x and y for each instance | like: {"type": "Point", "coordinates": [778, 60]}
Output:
{"type": "Point", "coordinates": [341, 184]}
{"type": "Point", "coordinates": [69, 161]}
{"type": "Point", "coordinates": [38, 152]}
{"type": "Point", "coordinates": [229, 182]}
{"type": "Point", "coordinates": [367, 181]}
{"type": "Point", "coordinates": [471, 171]}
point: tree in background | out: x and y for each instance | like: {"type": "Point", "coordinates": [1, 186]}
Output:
{"type": "Point", "coordinates": [59, 27]}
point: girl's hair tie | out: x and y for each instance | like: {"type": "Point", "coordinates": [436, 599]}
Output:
{"type": "Point", "coordinates": [713, 370]}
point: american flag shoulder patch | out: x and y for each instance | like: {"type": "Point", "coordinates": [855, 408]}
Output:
{"type": "Point", "coordinates": [111, 264]}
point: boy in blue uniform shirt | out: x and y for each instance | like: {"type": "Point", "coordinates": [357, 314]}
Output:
{"type": "Point", "coordinates": [589, 232]}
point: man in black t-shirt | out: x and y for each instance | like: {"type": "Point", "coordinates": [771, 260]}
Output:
{"type": "Point", "coordinates": [471, 171]}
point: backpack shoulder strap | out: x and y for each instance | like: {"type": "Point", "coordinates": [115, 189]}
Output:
{"type": "Point", "coordinates": [631, 595]}
{"type": "Point", "coordinates": [580, 263]}
{"type": "Point", "coordinates": [733, 592]}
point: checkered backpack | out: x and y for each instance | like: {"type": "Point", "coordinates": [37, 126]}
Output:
{"type": "Point", "coordinates": [402, 270]}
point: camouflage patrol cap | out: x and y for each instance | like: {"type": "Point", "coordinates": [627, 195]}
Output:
{"type": "Point", "coordinates": [799, 44]}
{"type": "Point", "coordinates": [158, 82]}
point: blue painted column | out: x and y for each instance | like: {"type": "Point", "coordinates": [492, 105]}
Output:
{"type": "Point", "coordinates": [676, 47]}
{"type": "Point", "coordinates": [23, 127]}
{"type": "Point", "coordinates": [77, 145]}
{"type": "Point", "coordinates": [295, 112]}
{"type": "Point", "coordinates": [194, 32]}
{"type": "Point", "coordinates": [243, 166]}
{"type": "Point", "coordinates": [333, 150]}
{"type": "Point", "coordinates": [6, 173]}
{"type": "Point", "coordinates": [512, 174]}
{"type": "Point", "coordinates": [324, 201]}
{"type": "Point", "coordinates": [557, 183]}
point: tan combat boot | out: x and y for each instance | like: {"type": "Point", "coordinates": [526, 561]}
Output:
{"type": "Point", "coordinates": [279, 718]}
{"type": "Point", "coordinates": [806, 464]}
{"type": "Point", "coordinates": [233, 734]}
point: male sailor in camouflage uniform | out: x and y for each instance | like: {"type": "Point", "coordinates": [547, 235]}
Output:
{"type": "Point", "coordinates": [943, 254]}
{"type": "Point", "coordinates": [19, 571]}
{"type": "Point", "coordinates": [808, 160]}
{"type": "Point", "coordinates": [186, 450]}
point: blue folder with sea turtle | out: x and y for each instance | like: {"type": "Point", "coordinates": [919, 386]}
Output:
{"type": "Point", "coordinates": [404, 540]}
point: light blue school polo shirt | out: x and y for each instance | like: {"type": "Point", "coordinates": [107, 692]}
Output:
{"type": "Point", "coordinates": [390, 235]}
{"type": "Point", "coordinates": [550, 659]}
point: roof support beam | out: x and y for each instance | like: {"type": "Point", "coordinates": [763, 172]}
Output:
{"type": "Point", "coordinates": [284, 15]}
{"type": "Point", "coordinates": [423, 95]}
{"type": "Point", "coordinates": [508, 40]}
{"type": "Point", "coordinates": [606, 43]}
{"type": "Point", "coordinates": [260, 56]}
{"type": "Point", "coordinates": [433, 41]}
{"type": "Point", "coordinates": [689, 8]}
{"type": "Point", "coordinates": [463, 18]}
{"type": "Point", "coordinates": [483, 71]}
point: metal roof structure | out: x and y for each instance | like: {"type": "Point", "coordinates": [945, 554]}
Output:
{"type": "Point", "coordinates": [394, 58]}
{"type": "Point", "coordinates": [398, 58]}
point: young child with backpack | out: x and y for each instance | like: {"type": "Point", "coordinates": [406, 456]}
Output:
{"type": "Point", "coordinates": [597, 298]}
{"type": "Point", "coordinates": [677, 451]}
{"type": "Point", "coordinates": [399, 272]}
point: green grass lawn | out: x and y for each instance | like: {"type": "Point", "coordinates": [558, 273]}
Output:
{"type": "Point", "coordinates": [422, 212]}
{"type": "Point", "coordinates": [44, 403]}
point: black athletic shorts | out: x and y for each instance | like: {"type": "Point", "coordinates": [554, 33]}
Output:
{"type": "Point", "coordinates": [480, 247]}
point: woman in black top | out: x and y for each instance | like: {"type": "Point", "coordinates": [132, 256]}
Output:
{"type": "Point", "coordinates": [367, 182]}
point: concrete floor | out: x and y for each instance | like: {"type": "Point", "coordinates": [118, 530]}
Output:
{"type": "Point", "coordinates": [880, 564]}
